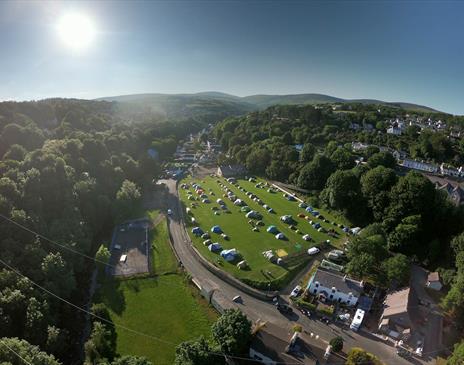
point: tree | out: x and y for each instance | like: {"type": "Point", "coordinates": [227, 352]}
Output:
{"type": "Point", "coordinates": [375, 186]}
{"type": "Point", "coordinates": [127, 199]}
{"type": "Point", "coordinates": [358, 356]}
{"type": "Point", "coordinates": [336, 343]}
{"type": "Point", "coordinates": [21, 349]}
{"type": "Point", "coordinates": [385, 159]}
{"type": "Point", "coordinates": [343, 192]}
{"type": "Point", "coordinates": [59, 276]}
{"type": "Point", "coordinates": [307, 153]}
{"type": "Point", "coordinates": [343, 159]}
{"type": "Point", "coordinates": [99, 347]}
{"type": "Point", "coordinates": [197, 352]}
{"type": "Point", "coordinates": [232, 331]}
{"type": "Point", "coordinates": [16, 152]}
{"type": "Point", "coordinates": [102, 257]}
{"type": "Point", "coordinates": [406, 236]}
{"type": "Point", "coordinates": [397, 269]}
{"type": "Point", "coordinates": [131, 360]}
{"type": "Point", "coordinates": [457, 358]}
{"type": "Point", "coordinates": [314, 175]}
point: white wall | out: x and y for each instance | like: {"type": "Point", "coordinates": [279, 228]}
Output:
{"type": "Point", "coordinates": [344, 297]}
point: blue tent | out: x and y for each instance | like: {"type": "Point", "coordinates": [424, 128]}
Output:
{"type": "Point", "coordinates": [272, 229]}
{"type": "Point", "coordinates": [229, 255]}
{"type": "Point", "coordinates": [309, 209]}
{"type": "Point", "coordinates": [216, 229]}
{"type": "Point", "coordinates": [215, 247]}
{"type": "Point", "coordinates": [280, 236]}
{"type": "Point", "coordinates": [316, 225]}
{"type": "Point", "coordinates": [315, 213]}
{"type": "Point", "coordinates": [197, 231]}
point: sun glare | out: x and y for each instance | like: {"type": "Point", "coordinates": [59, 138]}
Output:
{"type": "Point", "coordinates": [77, 31]}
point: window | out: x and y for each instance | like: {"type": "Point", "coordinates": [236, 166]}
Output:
{"type": "Point", "coordinates": [331, 296]}
{"type": "Point", "coordinates": [315, 291]}
{"type": "Point", "coordinates": [317, 285]}
{"type": "Point", "coordinates": [333, 290]}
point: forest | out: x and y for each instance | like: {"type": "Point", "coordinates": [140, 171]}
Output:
{"type": "Point", "coordinates": [70, 170]}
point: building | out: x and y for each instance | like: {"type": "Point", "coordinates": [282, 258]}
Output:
{"type": "Point", "coordinates": [453, 190]}
{"type": "Point", "coordinates": [394, 130]}
{"type": "Point", "coordinates": [433, 281]}
{"type": "Point", "coordinates": [396, 320]}
{"type": "Point", "coordinates": [335, 287]}
{"type": "Point", "coordinates": [419, 165]}
{"type": "Point", "coordinates": [231, 170]}
{"type": "Point", "coordinates": [273, 345]}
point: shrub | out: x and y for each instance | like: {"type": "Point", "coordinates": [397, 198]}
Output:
{"type": "Point", "coordinates": [337, 344]}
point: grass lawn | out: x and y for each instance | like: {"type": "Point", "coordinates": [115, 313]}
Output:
{"type": "Point", "coordinates": [251, 244]}
{"type": "Point", "coordinates": [164, 306]}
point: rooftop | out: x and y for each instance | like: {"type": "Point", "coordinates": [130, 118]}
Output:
{"type": "Point", "coordinates": [433, 276]}
{"type": "Point", "coordinates": [398, 302]}
{"type": "Point", "coordinates": [330, 279]}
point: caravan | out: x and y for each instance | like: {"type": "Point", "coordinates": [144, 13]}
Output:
{"type": "Point", "coordinates": [357, 320]}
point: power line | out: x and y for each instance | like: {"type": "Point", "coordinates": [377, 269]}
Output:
{"type": "Point", "coordinates": [135, 331]}
{"type": "Point", "coordinates": [14, 352]}
{"type": "Point", "coordinates": [54, 242]}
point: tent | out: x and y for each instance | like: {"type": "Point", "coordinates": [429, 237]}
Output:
{"type": "Point", "coordinates": [253, 214]}
{"type": "Point", "coordinates": [205, 235]}
{"type": "Point", "coordinates": [220, 201]}
{"type": "Point", "coordinates": [215, 247]}
{"type": "Point", "coordinates": [245, 209]}
{"type": "Point", "coordinates": [270, 210]}
{"type": "Point", "coordinates": [309, 209]}
{"type": "Point", "coordinates": [238, 202]}
{"type": "Point", "coordinates": [317, 225]}
{"type": "Point", "coordinates": [242, 265]}
{"type": "Point", "coordinates": [307, 237]}
{"type": "Point", "coordinates": [272, 229]}
{"type": "Point", "coordinates": [206, 201]}
{"type": "Point", "coordinates": [315, 213]}
{"type": "Point", "coordinates": [302, 205]}
{"type": "Point", "coordinates": [286, 219]}
{"type": "Point", "coordinates": [197, 231]}
{"type": "Point", "coordinates": [280, 236]}
{"type": "Point", "coordinates": [229, 255]}
{"type": "Point", "coordinates": [207, 242]}
{"type": "Point", "coordinates": [216, 229]}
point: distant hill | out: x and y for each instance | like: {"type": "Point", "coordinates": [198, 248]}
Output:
{"type": "Point", "coordinates": [217, 104]}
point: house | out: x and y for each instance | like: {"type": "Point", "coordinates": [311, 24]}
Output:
{"type": "Point", "coordinates": [418, 165]}
{"type": "Point", "coordinates": [453, 190]}
{"type": "Point", "coordinates": [335, 287]}
{"type": "Point", "coordinates": [394, 130]}
{"type": "Point", "coordinates": [433, 281]}
{"type": "Point", "coordinates": [396, 320]}
{"type": "Point", "coordinates": [231, 170]}
{"type": "Point", "coordinates": [274, 345]}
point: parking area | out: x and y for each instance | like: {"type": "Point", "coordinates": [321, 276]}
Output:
{"type": "Point", "coordinates": [130, 248]}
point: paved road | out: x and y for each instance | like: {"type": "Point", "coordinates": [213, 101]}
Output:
{"type": "Point", "coordinates": [265, 311]}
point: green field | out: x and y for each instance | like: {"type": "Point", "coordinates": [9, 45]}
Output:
{"type": "Point", "coordinates": [162, 306]}
{"type": "Point", "coordinates": [251, 244]}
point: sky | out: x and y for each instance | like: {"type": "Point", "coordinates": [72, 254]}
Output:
{"type": "Point", "coordinates": [410, 51]}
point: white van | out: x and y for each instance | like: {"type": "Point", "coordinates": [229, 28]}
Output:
{"type": "Point", "coordinates": [357, 320]}
{"type": "Point", "coordinates": [313, 251]}
{"type": "Point", "coordinates": [123, 258]}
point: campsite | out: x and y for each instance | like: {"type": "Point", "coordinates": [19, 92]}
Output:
{"type": "Point", "coordinates": [252, 231]}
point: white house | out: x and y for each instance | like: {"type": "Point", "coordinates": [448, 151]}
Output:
{"type": "Point", "coordinates": [433, 281]}
{"type": "Point", "coordinates": [419, 165]}
{"type": "Point", "coordinates": [335, 287]}
{"type": "Point", "coordinates": [394, 130]}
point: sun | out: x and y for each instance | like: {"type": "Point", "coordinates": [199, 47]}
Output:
{"type": "Point", "coordinates": [76, 31]}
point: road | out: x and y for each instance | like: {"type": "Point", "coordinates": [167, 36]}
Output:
{"type": "Point", "coordinates": [257, 309]}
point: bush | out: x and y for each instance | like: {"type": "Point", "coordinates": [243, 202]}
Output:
{"type": "Point", "coordinates": [326, 310]}
{"type": "Point", "coordinates": [306, 305]}
{"type": "Point", "coordinates": [336, 343]}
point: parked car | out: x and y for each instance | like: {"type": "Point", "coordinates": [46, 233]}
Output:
{"type": "Point", "coordinates": [295, 292]}
{"type": "Point", "coordinates": [237, 299]}
{"type": "Point", "coordinates": [283, 308]}
{"type": "Point", "coordinates": [169, 212]}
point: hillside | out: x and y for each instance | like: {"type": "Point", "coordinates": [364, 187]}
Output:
{"type": "Point", "coordinates": [213, 103]}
